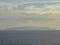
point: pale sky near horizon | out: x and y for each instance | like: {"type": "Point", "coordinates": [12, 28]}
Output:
{"type": "Point", "coordinates": [30, 13]}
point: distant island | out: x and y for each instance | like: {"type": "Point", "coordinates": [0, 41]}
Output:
{"type": "Point", "coordinates": [30, 28]}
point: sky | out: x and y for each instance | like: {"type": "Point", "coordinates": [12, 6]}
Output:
{"type": "Point", "coordinates": [30, 13]}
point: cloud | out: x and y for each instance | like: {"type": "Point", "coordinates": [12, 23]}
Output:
{"type": "Point", "coordinates": [50, 11]}
{"type": "Point", "coordinates": [32, 16]}
{"type": "Point", "coordinates": [26, 0]}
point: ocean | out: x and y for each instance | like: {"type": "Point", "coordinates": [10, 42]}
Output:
{"type": "Point", "coordinates": [30, 37]}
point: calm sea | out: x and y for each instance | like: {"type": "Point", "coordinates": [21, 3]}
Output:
{"type": "Point", "coordinates": [30, 37]}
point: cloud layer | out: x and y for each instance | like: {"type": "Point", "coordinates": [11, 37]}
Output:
{"type": "Point", "coordinates": [32, 15]}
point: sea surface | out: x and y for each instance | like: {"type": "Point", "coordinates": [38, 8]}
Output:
{"type": "Point", "coordinates": [30, 37]}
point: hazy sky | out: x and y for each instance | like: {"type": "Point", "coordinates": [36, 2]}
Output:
{"type": "Point", "coordinates": [30, 13]}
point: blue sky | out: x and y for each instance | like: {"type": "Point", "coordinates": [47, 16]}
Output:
{"type": "Point", "coordinates": [30, 13]}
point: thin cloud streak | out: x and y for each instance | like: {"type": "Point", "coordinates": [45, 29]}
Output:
{"type": "Point", "coordinates": [44, 2]}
